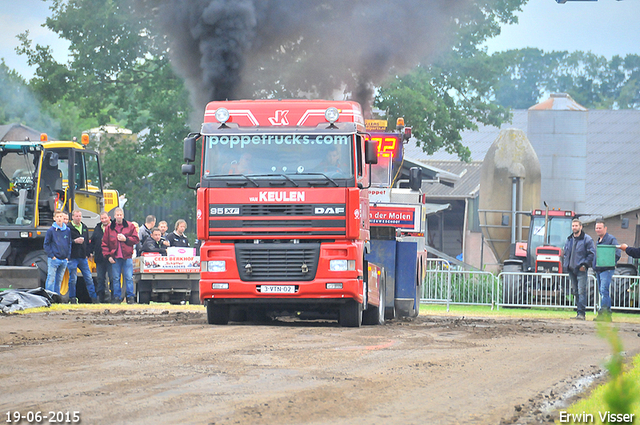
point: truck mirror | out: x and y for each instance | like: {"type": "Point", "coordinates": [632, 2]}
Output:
{"type": "Point", "coordinates": [371, 152]}
{"type": "Point", "coordinates": [415, 178]}
{"type": "Point", "coordinates": [188, 169]}
{"type": "Point", "coordinates": [189, 149]}
{"type": "Point", "coordinates": [53, 159]}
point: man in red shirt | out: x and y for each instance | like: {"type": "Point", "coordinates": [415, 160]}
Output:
{"type": "Point", "coordinates": [118, 244]}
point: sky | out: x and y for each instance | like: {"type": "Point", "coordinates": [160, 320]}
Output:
{"type": "Point", "coordinates": [604, 27]}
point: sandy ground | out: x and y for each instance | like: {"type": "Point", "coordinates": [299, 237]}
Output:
{"type": "Point", "coordinates": [137, 365]}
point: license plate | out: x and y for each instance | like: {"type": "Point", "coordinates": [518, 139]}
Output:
{"type": "Point", "coordinates": [278, 289]}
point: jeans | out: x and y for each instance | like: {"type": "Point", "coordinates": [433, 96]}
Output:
{"type": "Point", "coordinates": [122, 268]}
{"type": "Point", "coordinates": [103, 271]}
{"type": "Point", "coordinates": [604, 282]}
{"type": "Point", "coordinates": [55, 272]}
{"type": "Point", "coordinates": [80, 263]}
{"type": "Point", "coordinates": [579, 289]}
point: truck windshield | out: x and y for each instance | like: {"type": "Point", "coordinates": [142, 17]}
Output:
{"type": "Point", "coordinates": [17, 186]}
{"type": "Point", "coordinates": [296, 156]}
{"type": "Point", "coordinates": [557, 233]}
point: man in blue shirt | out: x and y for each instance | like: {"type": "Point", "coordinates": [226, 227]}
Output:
{"type": "Point", "coordinates": [57, 245]}
{"type": "Point", "coordinates": [604, 274]}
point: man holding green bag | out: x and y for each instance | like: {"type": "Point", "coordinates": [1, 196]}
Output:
{"type": "Point", "coordinates": [604, 272]}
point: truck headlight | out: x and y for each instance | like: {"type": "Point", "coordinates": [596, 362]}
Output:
{"type": "Point", "coordinates": [342, 265]}
{"type": "Point", "coordinates": [222, 115]}
{"type": "Point", "coordinates": [214, 266]}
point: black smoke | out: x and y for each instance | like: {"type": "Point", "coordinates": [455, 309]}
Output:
{"type": "Point", "coordinates": [230, 49]}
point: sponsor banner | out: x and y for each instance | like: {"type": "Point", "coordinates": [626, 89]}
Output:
{"type": "Point", "coordinates": [161, 264]}
{"type": "Point", "coordinates": [402, 217]}
{"type": "Point", "coordinates": [376, 125]}
{"type": "Point", "coordinates": [275, 140]}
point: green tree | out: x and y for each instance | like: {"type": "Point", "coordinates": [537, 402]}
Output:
{"type": "Point", "coordinates": [18, 105]}
{"type": "Point", "coordinates": [452, 93]}
{"type": "Point", "coordinates": [118, 73]}
{"type": "Point", "coordinates": [593, 81]}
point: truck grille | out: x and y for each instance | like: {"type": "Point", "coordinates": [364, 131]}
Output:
{"type": "Point", "coordinates": [277, 262]}
{"type": "Point", "coordinates": [265, 220]}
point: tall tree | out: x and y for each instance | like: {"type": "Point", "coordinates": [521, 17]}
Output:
{"type": "Point", "coordinates": [443, 97]}
{"type": "Point", "coordinates": [118, 73]}
{"type": "Point", "coordinates": [593, 81]}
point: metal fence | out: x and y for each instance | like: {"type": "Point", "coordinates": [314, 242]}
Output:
{"type": "Point", "coordinates": [444, 284]}
{"type": "Point", "coordinates": [625, 292]}
{"type": "Point", "coordinates": [541, 290]}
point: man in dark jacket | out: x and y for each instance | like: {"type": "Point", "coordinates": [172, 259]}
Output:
{"type": "Point", "coordinates": [78, 258]}
{"type": "Point", "coordinates": [118, 242]}
{"type": "Point", "coordinates": [579, 253]}
{"type": "Point", "coordinates": [145, 231]}
{"type": "Point", "coordinates": [57, 245]}
{"type": "Point", "coordinates": [177, 237]}
{"type": "Point", "coordinates": [103, 267]}
{"type": "Point", "coordinates": [154, 243]}
{"type": "Point", "coordinates": [604, 274]}
{"type": "Point", "coordinates": [630, 250]}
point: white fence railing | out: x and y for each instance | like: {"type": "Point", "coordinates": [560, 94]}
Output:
{"type": "Point", "coordinates": [445, 285]}
{"type": "Point", "coordinates": [542, 290]}
{"type": "Point", "coordinates": [625, 292]}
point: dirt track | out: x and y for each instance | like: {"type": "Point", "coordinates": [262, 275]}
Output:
{"type": "Point", "coordinates": [141, 366]}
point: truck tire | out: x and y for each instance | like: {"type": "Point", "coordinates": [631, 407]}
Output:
{"type": "Point", "coordinates": [144, 297]}
{"type": "Point", "coordinates": [620, 288]}
{"type": "Point", "coordinates": [194, 298]}
{"type": "Point", "coordinates": [39, 258]}
{"type": "Point", "coordinates": [217, 314]}
{"type": "Point", "coordinates": [512, 285]}
{"type": "Point", "coordinates": [374, 315]}
{"type": "Point", "coordinates": [350, 314]}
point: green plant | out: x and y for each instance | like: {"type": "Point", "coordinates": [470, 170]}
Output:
{"type": "Point", "coordinates": [621, 392]}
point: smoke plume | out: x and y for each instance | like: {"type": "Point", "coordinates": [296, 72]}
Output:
{"type": "Point", "coordinates": [230, 49]}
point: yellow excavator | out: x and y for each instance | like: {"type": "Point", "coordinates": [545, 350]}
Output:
{"type": "Point", "coordinates": [37, 178]}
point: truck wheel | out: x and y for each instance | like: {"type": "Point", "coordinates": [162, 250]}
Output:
{"type": "Point", "coordinates": [39, 258]}
{"type": "Point", "coordinates": [194, 298]}
{"type": "Point", "coordinates": [512, 285]}
{"type": "Point", "coordinates": [620, 294]}
{"type": "Point", "coordinates": [350, 314]}
{"type": "Point", "coordinates": [144, 297]}
{"type": "Point", "coordinates": [374, 315]}
{"type": "Point", "coordinates": [217, 314]}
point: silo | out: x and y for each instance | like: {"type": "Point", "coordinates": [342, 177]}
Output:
{"type": "Point", "coordinates": [557, 129]}
{"type": "Point", "coordinates": [509, 181]}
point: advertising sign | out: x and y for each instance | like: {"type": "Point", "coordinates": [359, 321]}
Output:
{"type": "Point", "coordinates": [162, 264]}
{"type": "Point", "coordinates": [405, 217]}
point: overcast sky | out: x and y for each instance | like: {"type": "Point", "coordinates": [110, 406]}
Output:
{"type": "Point", "coordinates": [604, 27]}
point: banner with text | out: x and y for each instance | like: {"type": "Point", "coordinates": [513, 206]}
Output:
{"type": "Point", "coordinates": [405, 217]}
{"type": "Point", "coordinates": [161, 264]}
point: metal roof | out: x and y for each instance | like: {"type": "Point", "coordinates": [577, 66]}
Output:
{"type": "Point", "coordinates": [467, 186]}
{"type": "Point", "coordinates": [558, 102]}
{"type": "Point", "coordinates": [22, 131]}
{"type": "Point", "coordinates": [613, 157]}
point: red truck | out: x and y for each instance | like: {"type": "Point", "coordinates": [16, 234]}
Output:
{"type": "Point", "coordinates": [283, 211]}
